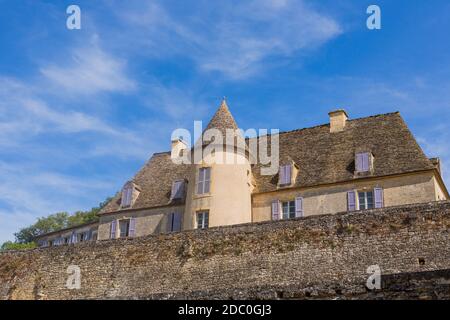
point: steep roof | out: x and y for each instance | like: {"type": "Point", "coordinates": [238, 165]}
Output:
{"type": "Point", "coordinates": [222, 119]}
{"type": "Point", "coordinates": [322, 157]}
{"type": "Point", "coordinates": [155, 181]}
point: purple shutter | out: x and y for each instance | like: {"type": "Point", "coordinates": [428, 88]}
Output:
{"type": "Point", "coordinates": [365, 162]}
{"type": "Point", "coordinates": [359, 162]}
{"type": "Point", "coordinates": [176, 224]}
{"type": "Point", "coordinates": [282, 175]}
{"type": "Point", "coordinates": [351, 200]}
{"type": "Point", "coordinates": [298, 207]}
{"type": "Point", "coordinates": [113, 229]}
{"type": "Point", "coordinates": [378, 197]}
{"type": "Point", "coordinates": [288, 175]}
{"type": "Point", "coordinates": [275, 210]}
{"type": "Point", "coordinates": [132, 231]}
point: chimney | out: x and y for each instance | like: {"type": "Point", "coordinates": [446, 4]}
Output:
{"type": "Point", "coordinates": [338, 120]}
{"type": "Point", "coordinates": [178, 145]}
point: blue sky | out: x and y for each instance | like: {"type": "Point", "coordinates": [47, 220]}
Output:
{"type": "Point", "coordinates": [82, 110]}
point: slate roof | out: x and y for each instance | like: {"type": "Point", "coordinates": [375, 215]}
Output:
{"type": "Point", "coordinates": [322, 157]}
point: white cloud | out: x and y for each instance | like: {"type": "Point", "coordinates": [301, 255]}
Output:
{"type": "Point", "coordinates": [89, 71]}
{"type": "Point", "coordinates": [236, 39]}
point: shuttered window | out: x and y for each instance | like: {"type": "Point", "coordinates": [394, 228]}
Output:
{"type": "Point", "coordinates": [379, 201]}
{"type": "Point", "coordinates": [351, 200]}
{"type": "Point", "coordinates": [204, 180]}
{"type": "Point", "coordinates": [113, 229]}
{"type": "Point", "coordinates": [362, 162]}
{"type": "Point", "coordinates": [127, 196]}
{"type": "Point", "coordinates": [288, 209]}
{"type": "Point", "coordinates": [285, 174]}
{"type": "Point", "coordinates": [298, 207]}
{"type": "Point", "coordinates": [275, 210]}
{"type": "Point", "coordinates": [132, 231]}
{"type": "Point", "coordinates": [365, 200]}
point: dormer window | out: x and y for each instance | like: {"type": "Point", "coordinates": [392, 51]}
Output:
{"type": "Point", "coordinates": [287, 174]}
{"type": "Point", "coordinates": [129, 195]}
{"type": "Point", "coordinates": [178, 190]}
{"type": "Point", "coordinates": [363, 162]}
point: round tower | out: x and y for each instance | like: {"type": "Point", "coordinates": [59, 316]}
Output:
{"type": "Point", "coordinates": [220, 183]}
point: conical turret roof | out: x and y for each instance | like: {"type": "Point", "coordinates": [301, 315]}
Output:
{"type": "Point", "coordinates": [222, 119]}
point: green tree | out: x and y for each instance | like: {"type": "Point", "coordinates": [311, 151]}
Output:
{"type": "Point", "coordinates": [9, 245]}
{"type": "Point", "coordinates": [57, 221]}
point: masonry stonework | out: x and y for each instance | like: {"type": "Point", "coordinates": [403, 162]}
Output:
{"type": "Point", "coordinates": [314, 257]}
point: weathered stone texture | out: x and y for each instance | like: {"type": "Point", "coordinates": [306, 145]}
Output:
{"type": "Point", "coordinates": [314, 257]}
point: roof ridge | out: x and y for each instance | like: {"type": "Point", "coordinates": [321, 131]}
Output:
{"type": "Point", "coordinates": [327, 124]}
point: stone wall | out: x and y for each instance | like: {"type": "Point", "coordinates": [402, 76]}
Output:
{"type": "Point", "coordinates": [314, 257]}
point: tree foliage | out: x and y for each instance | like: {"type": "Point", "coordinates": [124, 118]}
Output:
{"type": "Point", "coordinates": [56, 221]}
{"type": "Point", "coordinates": [9, 245]}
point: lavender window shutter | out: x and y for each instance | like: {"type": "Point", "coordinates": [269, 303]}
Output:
{"type": "Point", "coordinates": [282, 175]}
{"type": "Point", "coordinates": [113, 229]}
{"type": "Point", "coordinates": [275, 210]}
{"type": "Point", "coordinates": [351, 198]}
{"type": "Point", "coordinates": [288, 175]}
{"type": "Point", "coordinates": [298, 207]}
{"type": "Point", "coordinates": [365, 162]}
{"type": "Point", "coordinates": [132, 231]}
{"type": "Point", "coordinates": [358, 162]}
{"type": "Point", "coordinates": [378, 197]}
{"type": "Point", "coordinates": [176, 222]}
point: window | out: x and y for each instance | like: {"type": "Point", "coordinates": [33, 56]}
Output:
{"type": "Point", "coordinates": [127, 195]}
{"type": "Point", "coordinates": [177, 190]}
{"type": "Point", "coordinates": [174, 222]}
{"type": "Point", "coordinates": [124, 228]}
{"type": "Point", "coordinates": [81, 237]}
{"type": "Point", "coordinates": [204, 180]}
{"type": "Point", "coordinates": [202, 219]}
{"type": "Point", "coordinates": [288, 209]}
{"type": "Point", "coordinates": [362, 162]}
{"type": "Point", "coordinates": [285, 175]}
{"type": "Point", "coordinates": [365, 199]}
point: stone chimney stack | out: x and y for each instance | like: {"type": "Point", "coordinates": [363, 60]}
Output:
{"type": "Point", "coordinates": [178, 145]}
{"type": "Point", "coordinates": [338, 120]}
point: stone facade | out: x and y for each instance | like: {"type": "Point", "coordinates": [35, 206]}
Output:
{"type": "Point", "coordinates": [321, 256]}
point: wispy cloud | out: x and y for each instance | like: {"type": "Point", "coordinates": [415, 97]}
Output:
{"type": "Point", "coordinates": [90, 70]}
{"type": "Point", "coordinates": [234, 38]}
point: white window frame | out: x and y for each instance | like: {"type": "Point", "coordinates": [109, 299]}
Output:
{"type": "Point", "coordinates": [127, 233]}
{"type": "Point", "coordinates": [366, 202]}
{"type": "Point", "coordinates": [290, 205]}
{"type": "Point", "coordinates": [202, 182]}
{"type": "Point", "coordinates": [204, 219]}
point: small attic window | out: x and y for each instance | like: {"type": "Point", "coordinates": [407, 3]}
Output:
{"type": "Point", "coordinates": [127, 195]}
{"type": "Point", "coordinates": [178, 190]}
{"type": "Point", "coordinates": [363, 162]}
{"type": "Point", "coordinates": [285, 175]}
